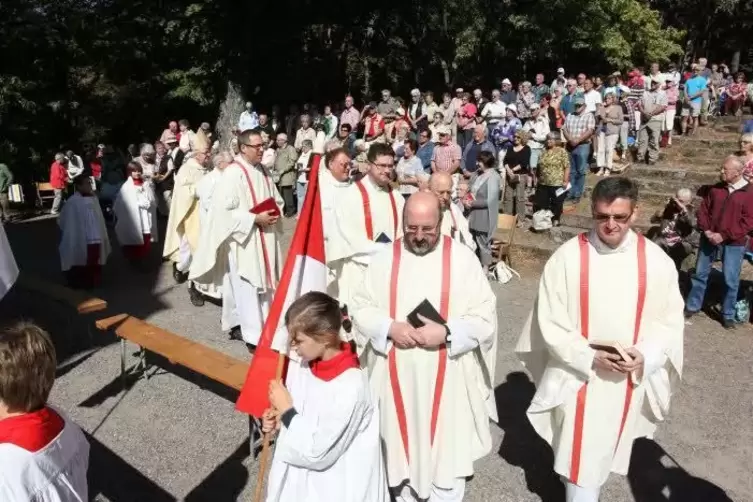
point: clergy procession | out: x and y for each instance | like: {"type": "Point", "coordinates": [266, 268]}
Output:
{"type": "Point", "coordinates": [371, 322]}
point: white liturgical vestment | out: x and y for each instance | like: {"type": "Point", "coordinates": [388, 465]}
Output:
{"type": "Point", "coordinates": [435, 403]}
{"type": "Point", "coordinates": [205, 189]}
{"type": "Point", "coordinates": [252, 252]}
{"type": "Point", "coordinates": [183, 220]}
{"type": "Point", "coordinates": [331, 451]}
{"type": "Point", "coordinates": [590, 293]}
{"type": "Point", "coordinates": [363, 211]}
{"type": "Point", "coordinates": [455, 225]}
{"type": "Point", "coordinates": [135, 211]}
{"type": "Point", "coordinates": [8, 267]}
{"type": "Point", "coordinates": [330, 192]}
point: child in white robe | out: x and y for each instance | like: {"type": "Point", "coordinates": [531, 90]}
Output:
{"type": "Point", "coordinates": [84, 246]}
{"type": "Point", "coordinates": [329, 445]}
{"type": "Point", "coordinates": [44, 456]}
{"type": "Point", "coordinates": [135, 211]}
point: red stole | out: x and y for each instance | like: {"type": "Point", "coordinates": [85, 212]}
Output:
{"type": "Point", "coordinates": [31, 431]}
{"type": "Point", "coordinates": [444, 309]}
{"type": "Point", "coordinates": [580, 407]}
{"type": "Point", "coordinates": [367, 211]}
{"type": "Point", "coordinates": [265, 254]}
{"type": "Point", "coordinates": [329, 370]}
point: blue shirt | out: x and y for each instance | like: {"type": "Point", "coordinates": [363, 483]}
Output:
{"type": "Point", "coordinates": [566, 105]}
{"type": "Point", "coordinates": [694, 86]}
{"type": "Point", "coordinates": [424, 154]}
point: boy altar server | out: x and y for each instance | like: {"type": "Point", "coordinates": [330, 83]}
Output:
{"type": "Point", "coordinates": [329, 446]}
{"type": "Point", "coordinates": [432, 371]}
{"type": "Point", "coordinates": [43, 454]}
{"type": "Point", "coordinates": [135, 211]}
{"type": "Point", "coordinates": [84, 246]}
{"type": "Point", "coordinates": [607, 287]}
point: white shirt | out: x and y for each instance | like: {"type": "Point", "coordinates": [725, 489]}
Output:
{"type": "Point", "coordinates": [409, 167]}
{"type": "Point", "coordinates": [592, 99]}
{"type": "Point", "coordinates": [737, 186]}
{"type": "Point", "coordinates": [495, 111]}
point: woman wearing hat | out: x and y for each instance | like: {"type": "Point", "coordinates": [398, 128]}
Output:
{"type": "Point", "coordinates": [503, 133]}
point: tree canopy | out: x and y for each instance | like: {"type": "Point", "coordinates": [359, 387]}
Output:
{"type": "Point", "coordinates": [89, 71]}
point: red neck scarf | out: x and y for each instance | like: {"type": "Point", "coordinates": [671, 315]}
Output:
{"type": "Point", "coordinates": [31, 431]}
{"type": "Point", "coordinates": [331, 369]}
{"type": "Point", "coordinates": [138, 182]}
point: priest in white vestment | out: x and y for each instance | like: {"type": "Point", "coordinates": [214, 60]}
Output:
{"type": "Point", "coordinates": [84, 244]}
{"type": "Point", "coordinates": [182, 233]}
{"type": "Point", "coordinates": [8, 266]}
{"type": "Point", "coordinates": [135, 209]}
{"type": "Point", "coordinates": [368, 216]}
{"type": "Point", "coordinates": [454, 223]}
{"type": "Point", "coordinates": [205, 190]}
{"type": "Point", "coordinates": [434, 382]}
{"type": "Point", "coordinates": [609, 286]}
{"type": "Point", "coordinates": [250, 241]}
{"type": "Point", "coordinates": [334, 178]}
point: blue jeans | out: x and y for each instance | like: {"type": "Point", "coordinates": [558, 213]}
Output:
{"type": "Point", "coordinates": [301, 194]}
{"type": "Point", "coordinates": [732, 262]}
{"type": "Point", "coordinates": [578, 166]}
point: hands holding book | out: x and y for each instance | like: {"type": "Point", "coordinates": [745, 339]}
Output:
{"type": "Point", "coordinates": [266, 219]}
{"type": "Point", "coordinates": [405, 336]}
{"type": "Point", "coordinates": [618, 360]}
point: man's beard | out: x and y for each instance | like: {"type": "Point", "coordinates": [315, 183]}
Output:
{"type": "Point", "coordinates": [421, 247]}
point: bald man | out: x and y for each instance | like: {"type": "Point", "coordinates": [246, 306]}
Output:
{"type": "Point", "coordinates": [432, 370]}
{"type": "Point", "coordinates": [454, 223]}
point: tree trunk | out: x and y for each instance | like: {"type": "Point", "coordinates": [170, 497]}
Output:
{"type": "Point", "coordinates": [734, 64]}
{"type": "Point", "coordinates": [446, 73]}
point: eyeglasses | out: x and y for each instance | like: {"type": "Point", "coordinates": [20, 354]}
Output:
{"type": "Point", "coordinates": [257, 146]}
{"type": "Point", "coordinates": [388, 167]}
{"type": "Point", "coordinates": [618, 218]}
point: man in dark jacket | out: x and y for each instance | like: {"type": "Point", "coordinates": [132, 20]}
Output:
{"type": "Point", "coordinates": [725, 219]}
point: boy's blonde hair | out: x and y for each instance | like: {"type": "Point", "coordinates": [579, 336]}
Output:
{"type": "Point", "coordinates": [27, 367]}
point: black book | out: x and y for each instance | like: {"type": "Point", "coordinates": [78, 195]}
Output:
{"type": "Point", "coordinates": [426, 309]}
{"type": "Point", "coordinates": [382, 238]}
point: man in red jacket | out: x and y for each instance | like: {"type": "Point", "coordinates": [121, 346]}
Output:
{"type": "Point", "coordinates": [725, 219]}
{"type": "Point", "coordinates": [58, 180]}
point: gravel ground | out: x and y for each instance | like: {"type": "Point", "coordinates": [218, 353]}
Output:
{"type": "Point", "coordinates": [176, 436]}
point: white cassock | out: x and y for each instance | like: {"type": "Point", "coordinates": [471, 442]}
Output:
{"type": "Point", "coordinates": [8, 267]}
{"type": "Point", "coordinates": [204, 191]}
{"type": "Point", "coordinates": [55, 473]}
{"type": "Point", "coordinates": [135, 211]}
{"type": "Point", "coordinates": [182, 232]}
{"type": "Point", "coordinates": [330, 193]}
{"type": "Point", "coordinates": [331, 451]}
{"type": "Point", "coordinates": [455, 225]}
{"type": "Point", "coordinates": [252, 253]}
{"type": "Point", "coordinates": [81, 223]}
{"type": "Point", "coordinates": [363, 211]}
{"type": "Point", "coordinates": [452, 280]}
{"type": "Point", "coordinates": [578, 410]}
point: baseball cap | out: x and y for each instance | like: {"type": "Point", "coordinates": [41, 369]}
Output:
{"type": "Point", "coordinates": [560, 71]}
{"type": "Point", "coordinates": [443, 130]}
{"type": "Point", "coordinates": [534, 106]}
{"type": "Point", "coordinates": [579, 101]}
{"type": "Point", "coordinates": [506, 82]}
{"type": "Point", "coordinates": [513, 108]}
{"type": "Point", "coordinates": [459, 89]}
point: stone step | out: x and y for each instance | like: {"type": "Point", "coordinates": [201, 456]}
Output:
{"type": "Point", "coordinates": [647, 198]}
{"type": "Point", "coordinates": [689, 174]}
{"type": "Point", "coordinates": [718, 141]}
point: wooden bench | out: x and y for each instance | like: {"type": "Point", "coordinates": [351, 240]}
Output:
{"type": "Point", "coordinates": [178, 350]}
{"type": "Point", "coordinates": [79, 300]}
{"type": "Point", "coordinates": [46, 188]}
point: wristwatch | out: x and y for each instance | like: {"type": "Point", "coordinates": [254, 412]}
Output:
{"type": "Point", "coordinates": [447, 335]}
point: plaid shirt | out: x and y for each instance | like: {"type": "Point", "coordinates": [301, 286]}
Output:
{"type": "Point", "coordinates": [577, 125]}
{"type": "Point", "coordinates": [444, 155]}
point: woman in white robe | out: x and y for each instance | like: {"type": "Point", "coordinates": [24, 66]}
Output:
{"type": "Point", "coordinates": [329, 446]}
{"type": "Point", "coordinates": [136, 215]}
{"type": "Point", "coordinates": [84, 245]}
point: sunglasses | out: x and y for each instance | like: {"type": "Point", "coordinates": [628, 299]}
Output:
{"type": "Point", "coordinates": [618, 218]}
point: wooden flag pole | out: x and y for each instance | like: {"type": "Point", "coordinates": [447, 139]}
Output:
{"type": "Point", "coordinates": [264, 460]}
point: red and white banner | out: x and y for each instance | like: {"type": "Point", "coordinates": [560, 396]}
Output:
{"type": "Point", "coordinates": [305, 270]}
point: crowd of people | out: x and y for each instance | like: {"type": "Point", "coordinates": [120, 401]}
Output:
{"type": "Point", "coordinates": [399, 402]}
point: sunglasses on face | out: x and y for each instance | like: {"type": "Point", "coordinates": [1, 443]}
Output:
{"type": "Point", "coordinates": [618, 218]}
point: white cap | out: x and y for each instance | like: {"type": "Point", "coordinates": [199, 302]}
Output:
{"type": "Point", "coordinates": [560, 70]}
{"type": "Point", "coordinates": [415, 92]}
{"type": "Point", "coordinates": [534, 106]}
{"type": "Point", "coordinates": [443, 129]}
{"type": "Point", "coordinates": [513, 107]}
{"type": "Point", "coordinates": [506, 81]}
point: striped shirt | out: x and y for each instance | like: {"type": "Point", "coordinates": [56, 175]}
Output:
{"type": "Point", "coordinates": [444, 157]}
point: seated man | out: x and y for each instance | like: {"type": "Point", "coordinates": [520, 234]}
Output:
{"type": "Point", "coordinates": [43, 454]}
{"type": "Point", "coordinates": [677, 234]}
